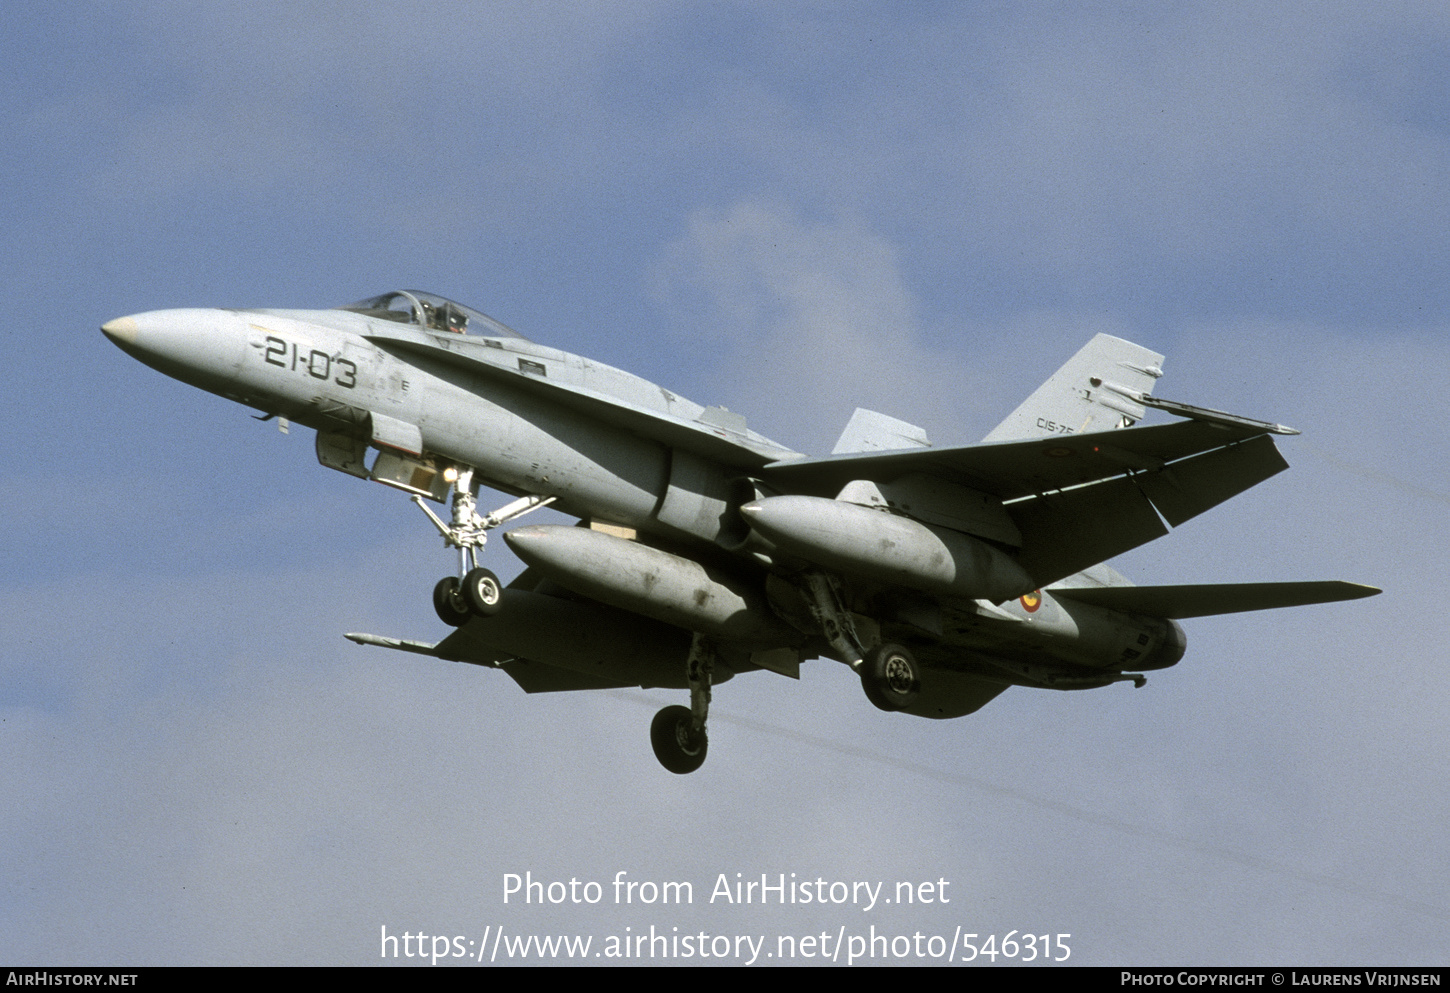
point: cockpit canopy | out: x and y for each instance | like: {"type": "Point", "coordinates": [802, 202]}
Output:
{"type": "Point", "coordinates": [429, 310]}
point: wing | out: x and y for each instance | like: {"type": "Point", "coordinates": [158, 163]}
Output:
{"type": "Point", "coordinates": [1016, 469]}
{"type": "Point", "coordinates": [549, 644]}
{"type": "Point", "coordinates": [531, 676]}
{"type": "Point", "coordinates": [1075, 499]}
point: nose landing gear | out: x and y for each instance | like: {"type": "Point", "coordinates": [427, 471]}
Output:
{"type": "Point", "coordinates": [475, 591]}
{"type": "Point", "coordinates": [449, 604]}
{"type": "Point", "coordinates": [480, 593]}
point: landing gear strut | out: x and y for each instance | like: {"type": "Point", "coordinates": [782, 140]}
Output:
{"type": "Point", "coordinates": [475, 591]}
{"type": "Point", "coordinates": [678, 733]}
{"type": "Point", "coordinates": [889, 673]}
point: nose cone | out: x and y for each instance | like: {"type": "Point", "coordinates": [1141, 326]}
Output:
{"type": "Point", "coordinates": [202, 347]}
{"type": "Point", "coordinates": [122, 331]}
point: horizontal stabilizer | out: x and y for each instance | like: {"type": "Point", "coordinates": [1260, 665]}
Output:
{"type": "Point", "coordinates": [1177, 602]}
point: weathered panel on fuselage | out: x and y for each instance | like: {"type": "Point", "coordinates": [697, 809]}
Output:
{"type": "Point", "coordinates": [701, 500]}
{"type": "Point", "coordinates": [320, 370]}
{"type": "Point", "coordinates": [315, 375]}
{"type": "Point", "coordinates": [1041, 628]}
{"type": "Point", "coordinates": [520, 443]}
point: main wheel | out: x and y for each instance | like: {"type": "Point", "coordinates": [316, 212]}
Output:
{"type": "Point", "coordinates": [448, 601]}
{"type": "Point", "coordinates": [483, 592]}
{"type": "Point", "coordinates": [678, 748]}
{"type": "Point", "coordinates": [890, 677]}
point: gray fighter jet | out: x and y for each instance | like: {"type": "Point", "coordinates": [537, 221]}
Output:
{"type": "Point", "coordinates": [941, 575]}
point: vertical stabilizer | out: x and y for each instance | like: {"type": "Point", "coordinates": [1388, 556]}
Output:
{"type": "Point", "coordinates": [1096, 390]}
{"type": "Point", "coordinates": [869, 431]}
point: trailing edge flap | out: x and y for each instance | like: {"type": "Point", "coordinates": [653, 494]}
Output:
{"type": "Point", "coordinates": [1014, 469]}
{"type": "Point", "coordinates": [1187, 488]}
{"type": "Point", "coordinates": [870, 431]}
{"type": "Point", "coordinates": [719, 438]}
{"type": "Point", "coordinates": [1201, 601]}
{"type": "Point", "coordinates": [1067, 531]}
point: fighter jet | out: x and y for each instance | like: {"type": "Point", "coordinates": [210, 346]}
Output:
{"type": "Point", "coordinates": [942, 576]}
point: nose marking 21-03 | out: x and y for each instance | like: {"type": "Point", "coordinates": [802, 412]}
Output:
{"type": "Point", "coordinates": [315, 362]}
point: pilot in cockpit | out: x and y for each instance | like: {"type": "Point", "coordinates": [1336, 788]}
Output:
{"type": "Point", "coordinates": [444, 317]}
{"type": "Point", "coordinates": [454, 319]}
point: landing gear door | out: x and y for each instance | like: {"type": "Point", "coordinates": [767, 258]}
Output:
{"type": "Point", "coordinates": [421, 477]}
{"type": "Point", "coordinates": [389, 432]}
{"type": "Point", "coordinates": [343, 452]}
{"type": "Point", "coordinates": [401, 462]}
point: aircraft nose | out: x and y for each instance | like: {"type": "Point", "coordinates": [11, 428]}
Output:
{"type": "Point", "coordinates": [181, 343]}
{"type": "Point", "coordinates": [144, 336]}
{"type": "Point", "coordinates": [121, 330]}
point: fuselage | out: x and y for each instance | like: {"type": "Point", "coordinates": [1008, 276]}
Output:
{"type": "Point", "coordinates": [471, 399]}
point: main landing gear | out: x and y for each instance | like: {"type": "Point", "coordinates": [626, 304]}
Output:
{"type": "Point", "coordinates": [678, 733]}
{"type": "Point", "coordinates": [475, 591]}
{"type": "Point", "coordinates": [890, 675]}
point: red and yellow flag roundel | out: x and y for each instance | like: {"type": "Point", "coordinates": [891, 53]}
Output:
{"type": "Point", "coordinates": [1031, 601]}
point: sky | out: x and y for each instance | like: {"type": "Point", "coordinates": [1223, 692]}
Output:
{"type": "Point", "coordinates": [791, 209]}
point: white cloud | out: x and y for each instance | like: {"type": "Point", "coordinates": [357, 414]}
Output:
{"type": "Point", "coordinates": [1106, 155]}
{"type": "Point", "coordinates": [813, 319]}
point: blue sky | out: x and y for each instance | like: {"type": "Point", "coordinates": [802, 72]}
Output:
{"type": "Point", "coordinates": [793, 210]}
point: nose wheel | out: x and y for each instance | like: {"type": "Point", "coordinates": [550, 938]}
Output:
{"type": "Point", "coordinates": [448, 601]}
{"type": "Point", "coordinates": [479, 595]}
{"type": "Point", "coordinates": [483, 592]}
